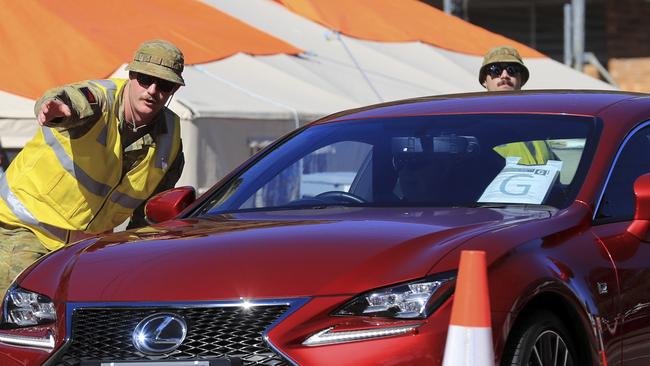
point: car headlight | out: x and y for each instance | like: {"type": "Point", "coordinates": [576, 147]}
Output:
{"type": "Point", "coordinates": [412, 300]}
{"type": "Point", "coordinates": [22, 308]}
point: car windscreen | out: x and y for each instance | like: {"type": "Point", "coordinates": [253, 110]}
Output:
{"type": "Point", "coordinates": [448, 161]}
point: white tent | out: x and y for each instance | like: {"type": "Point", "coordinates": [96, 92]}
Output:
{"type": "Point", "coordinates": [232, 107]}
{"type": "Point", "coordinates": [17, 123]}
{"type": "Point", "coordinates": [423, 66]}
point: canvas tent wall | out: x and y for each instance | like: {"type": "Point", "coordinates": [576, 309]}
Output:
{"type": "Point", "coordinates": [17, 123]}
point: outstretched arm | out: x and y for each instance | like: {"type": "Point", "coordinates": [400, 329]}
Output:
{"type": "Point", "coordinates": [70, 106]}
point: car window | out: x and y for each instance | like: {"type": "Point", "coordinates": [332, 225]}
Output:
{"type": "Point", "coordinates": [329, 168]}
{"type": "Point", "coordinates": [418, 161]}
{"type": "Point", "coordinates": [617, 203]}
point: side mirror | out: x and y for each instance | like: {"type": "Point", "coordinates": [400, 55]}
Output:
{"type": "Point", "coordinates": [640, 226]}
{"type": "Point", "coordinates": [168, 204]}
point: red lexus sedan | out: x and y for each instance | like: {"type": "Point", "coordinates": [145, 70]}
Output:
{"type": "Point", "coordinates": [339, 245]}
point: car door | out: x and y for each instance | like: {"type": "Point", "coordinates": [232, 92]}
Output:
{"type": "Point", "coordinates": [631, 256]}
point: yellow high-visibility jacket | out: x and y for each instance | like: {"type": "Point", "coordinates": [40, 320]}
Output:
{"type": "Point", "coordinates": [531, 153]}
{"type": "Point", "coordinates": [58, 184]}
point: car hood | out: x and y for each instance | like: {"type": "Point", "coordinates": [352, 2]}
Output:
{"type": "Point", "coordinates": [264, 255]}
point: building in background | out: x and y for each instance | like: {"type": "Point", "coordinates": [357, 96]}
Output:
{"type": "Point", "coordinates": [616, 31]}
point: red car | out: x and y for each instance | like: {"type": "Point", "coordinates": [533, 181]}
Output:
{"type": "Point", "coordinates": [339, 245]}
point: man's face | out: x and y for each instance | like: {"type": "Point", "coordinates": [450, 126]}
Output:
{"type": "Point", "coordinates": [503, 77]}
{"type": "Point", "coordinates": [148, 95]}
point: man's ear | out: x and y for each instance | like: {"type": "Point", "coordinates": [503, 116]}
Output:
{"type": "Point", "coordinates": [484, 83]}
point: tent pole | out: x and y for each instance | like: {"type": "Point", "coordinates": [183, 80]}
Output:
{"type": "Point", "coordinates": [578, 7]}
{"type": "Point", "coordinates": [568, 57]}
{"type": "Point", "coordinates": [447, 6]}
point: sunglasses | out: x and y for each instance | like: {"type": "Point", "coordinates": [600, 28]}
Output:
{"type": "Point", "coordinates": [495, 70]}
{"type": "Point", "coordinates": [146, 80]}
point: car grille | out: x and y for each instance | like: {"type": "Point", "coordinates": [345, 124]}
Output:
{"type": "Point", "coordinates": [104, 334]}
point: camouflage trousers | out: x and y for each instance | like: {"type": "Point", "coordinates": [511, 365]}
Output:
{"type": "Point", "coordinates": [19, 248]}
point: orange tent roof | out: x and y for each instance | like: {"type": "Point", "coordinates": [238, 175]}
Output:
{"type": "Point", "coordinates": [403, 21]}
{"type": "Point", "coordinates": [52, 42]}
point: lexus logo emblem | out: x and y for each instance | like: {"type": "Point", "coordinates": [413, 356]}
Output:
{"type": "Point", "coordinates": [159, 333]}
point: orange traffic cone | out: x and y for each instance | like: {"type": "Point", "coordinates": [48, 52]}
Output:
{"type": "Point", "coordinates": [469, 338]}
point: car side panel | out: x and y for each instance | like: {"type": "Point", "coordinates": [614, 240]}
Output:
{"type": "Point", "coordinates": [567, 269]}
{"type": "Point", "coordinates": [632, 258]}
{"type": "Point", "coordinates": [569, 264]}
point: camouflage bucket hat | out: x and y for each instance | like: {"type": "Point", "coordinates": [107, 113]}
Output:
{"type": "Point", "coordinates": [502, 54]}
{"type": "Point", "coordinates": [160, 59]}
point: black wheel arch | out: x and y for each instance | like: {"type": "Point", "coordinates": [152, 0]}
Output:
{"type": "Point", "coordinates": [577, 324]}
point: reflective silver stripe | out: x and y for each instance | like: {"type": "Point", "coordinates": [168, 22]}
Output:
{"type": "Point", "coordinates": [110, 94]}
{"type": "Point", "coordinates": [93, 186]}
{"type": "Point", "coordinates": [58, 233]}
{"type": "Point", "coordinates": [110, 90]}
{"type": "Point", "coordinates": [20, 211]}
{"type": "Point", "coordinates": [23, 214]}
{"type": "Point", "coordinates": [125, 200]}
{"type": "Point", "coordinates": [103, 134]}
{"type": "Point", "coordinates": [165, 142]}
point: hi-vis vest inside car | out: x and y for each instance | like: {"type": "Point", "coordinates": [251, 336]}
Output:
{"type": "Point", "coordinates": [531, 152]}
{"type": "Point", "coordinates": [58, 184]}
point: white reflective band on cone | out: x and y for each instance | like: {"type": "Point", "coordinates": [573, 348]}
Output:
{"type": "Point", "coordinates": [468, 346]}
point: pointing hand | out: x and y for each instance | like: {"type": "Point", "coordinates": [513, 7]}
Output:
{"type": "Point", "coordinates": [52, 109]}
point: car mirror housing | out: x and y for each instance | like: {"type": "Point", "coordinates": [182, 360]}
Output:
{"type": "Point", "coordinates": [168, 204]}
{"type": "Point", "coordinates": [640, 226]}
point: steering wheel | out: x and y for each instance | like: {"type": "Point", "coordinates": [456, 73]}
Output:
{"type": "Point", "coordinates": [341, 196]}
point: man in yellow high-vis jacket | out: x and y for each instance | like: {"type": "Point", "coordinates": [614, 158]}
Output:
{"type": "Point", "coordinates": [104, 148]}
{"type": "Point", "coordinates": [504, 70]}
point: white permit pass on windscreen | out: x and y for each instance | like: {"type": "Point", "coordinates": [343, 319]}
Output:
{"type": "Point", "coordinates": [522, 183]}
